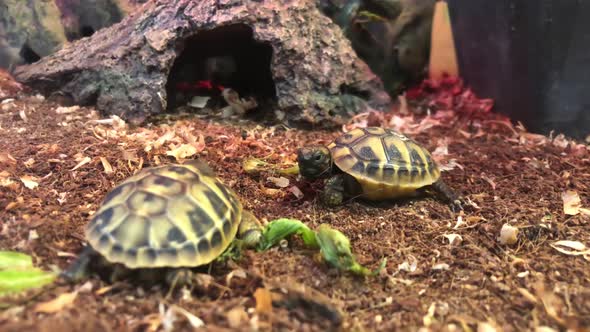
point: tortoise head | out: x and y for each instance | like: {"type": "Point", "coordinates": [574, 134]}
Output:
{"type": "Point", "coordinates": [314, 162]}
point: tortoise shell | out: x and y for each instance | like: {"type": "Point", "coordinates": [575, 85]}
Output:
{"type": "Point", "coordinates": [166, 216]}
{"type": "Point", "coordinates": [386, 164]}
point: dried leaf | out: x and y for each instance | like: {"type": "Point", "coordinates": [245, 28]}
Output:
{"type": "Point", "coordinates": [7, 182]}
{"type": "Point", "coordinates": [6, 158]}
{"type": "Point", "coordinates": [29, 162]}
{"type": "Point", "coordinates": [33, 235]}
{"type": "Point", "coordinates": [429, 319]}
{"type": "Point", "coordinates": [272, 192]}
{"type": "Point", "coordinates": [527, 295]}
{"type": "Point", "coordinates": [488, 180]}
{"type": "Point", "coordinates": [576, 245]}
{"type": "Point", "coordinates": [199, 101]}
{"type": "Point", "coordinates": [168, 136]}
{"type": "Point", "coordinates": [236, 317]}
{"type": "Point", "coordinates": [183, 151]}
{"type": "Point", "coordinates": [485, 327]}
{"type": "Point", "coordinates": [544, 329]}
{"type": "Point", "coordinates": [578, 248]}
{"type": "Point", "coordinates": [82, 162]}
{"type": "Point", "coordinates": [197, 142]}
{"type": "Point", "coordinates": [129, 155]}
{"type": "Point", "coordinates": [263, 301]}
{"type": "Point", "coordinates": [440, 267]}
{"type": "Point", "coordinates": [508, 234]}
{"type": "Point", "coordinates": [67, 110]}
{"type": "Point", "coordinates": [551, 302]}
{"type": "Point", "coordinates": [117, 122]}
{"type": "Point", "coordinates": [454, 239]}
{"type": "Point", "coordinates": [104, 290]}
{"type": "Point", "coordinates": [23, 115]}
{"type": "Point", "coordinates": [459, 223]}
{"type": "Point", "coordinates": [440, 152]}
{"type": "Point", "coordinates": [86, 287]}
{"type": "Point", "coordinates": [30, 181]}
{"type": "Point", "coordinates": [11, 206]}
{"type": "Point", "coordinates": [473, 219]}
{"type": "Point", "coordinates": [59, 303]}
{"type": "Point", "coordinates": [66, 254]}
{"type": "Point", "coordinates": [571, 202]}
{"type": "Point", "coordinates": [238, 273]}
{"type": "Point", "coordinates": [561, 141]}
{"type": "Point", "coordinates": [451, 164]}
{"type": "Point", "coordinates": [7, 104]}
{"type": "Point", "coordinates": [401, 124]}
{"type": "Point", "coordinates": [238, 105]}
{"type": "Point", "coordinates": [165, 319]}
{"type": "Point", "coordinates": [280, 182]}
{"type": "Point", "coordinates": [108, 169]}
{"type": "Point", "coordinates": [296, 192]}
{"type": "Point", "coordinates": [195, 321]}
{"type": "Point", "coordinates": [61, 198]}
{"type": "Point", "coordinates": [152, 322]}
{"type": "Point", "coordinates": [409, 266]}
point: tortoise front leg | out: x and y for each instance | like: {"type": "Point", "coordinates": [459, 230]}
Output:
{"type": "Point", "coordinates": [79, 268]}
{"type": "Point", "coordinates": [250, 230]}
{"type": "Point", "coordinates": [333, 193]}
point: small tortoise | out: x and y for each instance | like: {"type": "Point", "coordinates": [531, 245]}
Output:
{"type": "Point", "coordinates": [162, 221]}
{"type": "Point", "coordinates": [372, 163]}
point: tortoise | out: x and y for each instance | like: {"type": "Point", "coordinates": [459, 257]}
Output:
{"type": "Point", "coordinates": [373, 163]}
{"type": "Point", "coordinates": [163, 221]}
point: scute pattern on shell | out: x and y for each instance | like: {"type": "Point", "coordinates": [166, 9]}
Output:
{"type": "Point", "coordinates": [166, 216]}
{"type": "Point", "coordinates": [387, 164]}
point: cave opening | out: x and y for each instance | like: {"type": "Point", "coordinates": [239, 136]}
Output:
{"type": "Point", "coordinates": [86, 31]}
{"type": "Point", "coordinates": [28, 55]}
{"type": "Point", "coordinates": [221, 58]}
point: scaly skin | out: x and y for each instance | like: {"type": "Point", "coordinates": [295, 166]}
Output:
{"type": "Point", "coordinates": [333, 193]}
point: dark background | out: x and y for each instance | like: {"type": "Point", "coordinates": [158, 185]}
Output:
{"type": "Point", "coordinates": [531, 57]}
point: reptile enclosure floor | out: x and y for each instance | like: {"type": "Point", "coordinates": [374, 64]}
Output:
{"type": "Point", "coordinates": [510, 176]}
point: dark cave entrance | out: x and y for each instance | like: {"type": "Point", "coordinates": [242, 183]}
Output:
{"type": "Point", "coordinates": [86, 31]}
{"type": "Point", "coordinates": [28, 55]}
{"type": "Point", "coordinates": [224, 57]}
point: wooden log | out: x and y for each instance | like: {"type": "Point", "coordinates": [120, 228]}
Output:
{"type": "Point", "coordinates": [285, 50]}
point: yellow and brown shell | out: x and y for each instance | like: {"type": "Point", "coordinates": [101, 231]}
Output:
{"type": "Point", "coordinates": [166, 216]}
{"type": "Point", "coordinates": [386, 164]}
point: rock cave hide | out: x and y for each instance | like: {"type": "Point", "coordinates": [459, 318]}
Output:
{"type": "Point", "coordinates": [285, 51]}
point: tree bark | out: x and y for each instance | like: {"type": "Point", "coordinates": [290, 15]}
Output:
{"type": "Point", "coordinates": [124, 69]}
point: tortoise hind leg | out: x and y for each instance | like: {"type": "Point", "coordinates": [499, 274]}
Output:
{"type": "Point", "coordinates": [79, 268]}
{"type": "Point", "coordinates": [178, 278]}
{"type": "Point", "coordinates": [448, 194]}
